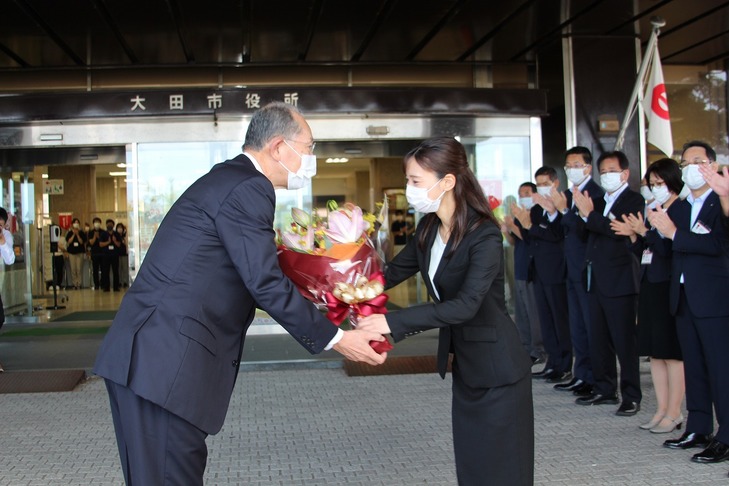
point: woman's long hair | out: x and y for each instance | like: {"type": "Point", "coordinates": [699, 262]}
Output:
{"type": "Point", "coordinates": [445, 155]}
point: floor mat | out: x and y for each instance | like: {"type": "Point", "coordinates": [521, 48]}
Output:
{"type": "Point", "coordinates": [87, 316]}
{"type": "Point", "coordinates": [396, 365]}
{"type": "Point", "coordinates": [40, 381]}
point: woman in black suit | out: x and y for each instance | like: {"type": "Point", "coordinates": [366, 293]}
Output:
{"type": "Point", "coordinates": [457, 248]}
{"type": "Point", "coordinates": [657, 335]}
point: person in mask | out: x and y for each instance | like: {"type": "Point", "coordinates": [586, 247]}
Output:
{"type": "Point", "coordinates": [110, 258]}
{"type": "Point", "coordinates": [578, 169]}
{"type": "Point", "coordinates": [541, 228]}
{"type": "Point", "coordinates": [458, 251]}
{"type": "Point", "coordinates": [171, 356]}
{"type": "Point", "coordinates": [526, 315]}
{"type": "Point", "coordinates": [96, 237]}
{"type": "Point", "coordinates": [657, 335]}
{"type": "Point", "coordinates": [697, 228]}
{"type": "Point", "coordinates": [612, 280]}
{"type": "Point", "coordinates": [76, 248]}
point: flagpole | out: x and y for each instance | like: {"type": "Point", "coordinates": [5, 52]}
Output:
{"type": "Point", "coordinates": [657, 23]}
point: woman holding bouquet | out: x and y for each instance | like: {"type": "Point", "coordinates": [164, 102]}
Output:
{"type": "Point", "coordinates": [457, 248]}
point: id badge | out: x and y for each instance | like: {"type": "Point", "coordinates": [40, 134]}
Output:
{"type": "Point", "coordinates": [700, 229]}
{"type": "Point", "coordinates": [647, 257]}
{"type": "Point", "coordinates": [75, 243]}
{"type": "Point", "coordinates": [111, 247]}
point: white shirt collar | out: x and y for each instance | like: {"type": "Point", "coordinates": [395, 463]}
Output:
{"type": "Point", "coordinates": [254, 161]}
{"type": "Point", "coordinates": [690, 198]}
{"type": "Point", "coordinates": [612, 197]}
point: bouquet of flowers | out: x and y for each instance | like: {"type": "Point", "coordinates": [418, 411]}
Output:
{"type": "Point", "coordinates": [333, 262]}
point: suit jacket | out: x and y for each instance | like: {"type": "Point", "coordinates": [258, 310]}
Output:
{"type": "Point", "coordinates": [546, 250]}
{"type": "Point", "coordinates": [575, 235]}
{"type": "Point", "coordinates": [178, 335]}
{"type": "Point", "coordinates": [614, 267]}
{"type": "Point", "coordinates": [703, 259]}
{"type": "Point", "coordinates": [470, 312]}
{"type": "Point", "coordinates": [659, 269]}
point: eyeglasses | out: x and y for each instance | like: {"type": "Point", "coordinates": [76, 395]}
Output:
{"type": "Point", "coordinates": [309, 146]}
{"type": "Point", "coordinates": [694, 161]}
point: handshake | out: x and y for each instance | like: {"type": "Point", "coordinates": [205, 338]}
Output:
{"type": "Point", "coordinates": [367, 342]}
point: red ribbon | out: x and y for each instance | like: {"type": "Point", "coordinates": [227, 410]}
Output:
{"type": "Point", "coordinates": [338, 310]}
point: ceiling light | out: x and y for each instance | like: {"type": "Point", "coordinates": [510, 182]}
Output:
{"type": "Point", "coordinates": [44, 176]}
{"type": "Point", "coordinates": [337, 160]}
{"type": "Point", "coordinates": [118, 174]}
{"type": "Point", "coordinates": [51, 137]}
{"type": "Point", "coordinates": [89, 156]}
{"type": "Point", "coordinates": [121, 165]}
{"type": "Point", "coordinates": [353, 151]}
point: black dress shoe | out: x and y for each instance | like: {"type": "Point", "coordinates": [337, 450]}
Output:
{"type": "Point", "coordinates": [559, 377]}
{"type": "Point", "coordinates": [583, 390]}
{"type": "Point", "coordinates": [543, 373]}
{"type": "Point", "coordinates": [570, 385]}
{"type": "Point", "coordinates": [716, 452]}
{"type": "Point", "coordinates": [688, 440]}
{"type": "Point", "coordinates": [628, 409]}
{"type": "Point", "coordinates": [597, 399]}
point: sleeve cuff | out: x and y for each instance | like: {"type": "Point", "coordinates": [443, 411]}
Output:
{"type": "Point", "coordinates": [337, 337]}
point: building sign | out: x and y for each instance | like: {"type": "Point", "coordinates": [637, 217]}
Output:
{"type": "Point", "coordinates": [53, 186]}
{"type": "Point", "coordinates": [244, 101]}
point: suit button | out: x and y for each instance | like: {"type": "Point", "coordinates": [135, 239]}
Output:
{"type": "Point", "coordinates": [235, 363]}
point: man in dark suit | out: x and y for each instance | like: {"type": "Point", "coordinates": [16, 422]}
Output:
{"type": "Point", "coordinates": [578, 168]}
{"type": "Point", "coordinates": [612, 282]}
{"type": "Point", "coordinates": [544, 235]}
{"type": "Point", "coordinates": [698, 228]}
{"type": "Point", "coordinates": [171, 356]}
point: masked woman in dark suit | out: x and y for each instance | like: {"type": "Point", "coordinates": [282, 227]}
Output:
{"type": "Point", "coordinates": [457, 248]}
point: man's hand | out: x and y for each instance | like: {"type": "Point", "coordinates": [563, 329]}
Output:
{"type": "Point", "coordinates": [625, 228]}
{"type": "Point", "coordinates": [355, 346]}
{"type": "Point", "coordinates": [636, 222]}
{"type": "Point", "coordinates": [719, 183]}
{"type": "Point", "coordinates": [584, 203]}
{"type": "Point", "coordinates": [522, 215]}
{"type": "Point", "coordinates": [545, 202]}
{"type": "Point", "coordinates": [559, 199]}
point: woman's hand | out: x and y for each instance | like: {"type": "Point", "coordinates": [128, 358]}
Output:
{"type": "Point", "coordinates": [375, 323]}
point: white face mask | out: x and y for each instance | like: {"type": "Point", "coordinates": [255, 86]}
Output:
{"type": "Point", "coordinates": [544, 191]}
{"type": "Point", "coordinates": [611, 181]}
{"type": "Point", "coordinates": [97, 225]}
{"type": "Point", "coordinates": [418, 198]}
{"type": "Point", "coordinates": [661, 193]}
{"type": "Point", "coordinates": [645, 191]}
{"type": "Point", "coordinates": [692, 177]}
{"type": "Point", "coordinates": [76, 225]}
{"type": "Point", "coordinates": [298, 179]}
{"type": "Point", "coordinates": [576, 176]}
{"type": "Point", "coordinates": [526, 202]}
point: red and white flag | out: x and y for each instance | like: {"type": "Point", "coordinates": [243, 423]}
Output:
{"type": "Point", "coordinates": [655, 104]}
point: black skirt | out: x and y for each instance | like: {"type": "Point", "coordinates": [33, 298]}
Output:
{"type": "Point", "coordinates": [657, 335]}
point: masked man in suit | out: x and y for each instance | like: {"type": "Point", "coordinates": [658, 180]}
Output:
{"type": "Point", "coordinates": [543, 232]}
{"type": "Point", "coordinates": [698, 228]}
{"type": "Point", "coordinates": [171, 357]}
{"type": "Point", "coordinates": [612, 281]}
{"type": "Point", "coordinates": [578, 168]}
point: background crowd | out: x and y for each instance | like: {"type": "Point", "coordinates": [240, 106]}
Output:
{"type": "Point", "coordinates": [102, 251]}
{"type": "Point", "coordinates": [605, 275]}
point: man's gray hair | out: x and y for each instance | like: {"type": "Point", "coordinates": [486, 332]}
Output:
{"type": "Point", "coordinates": [273, 120]}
